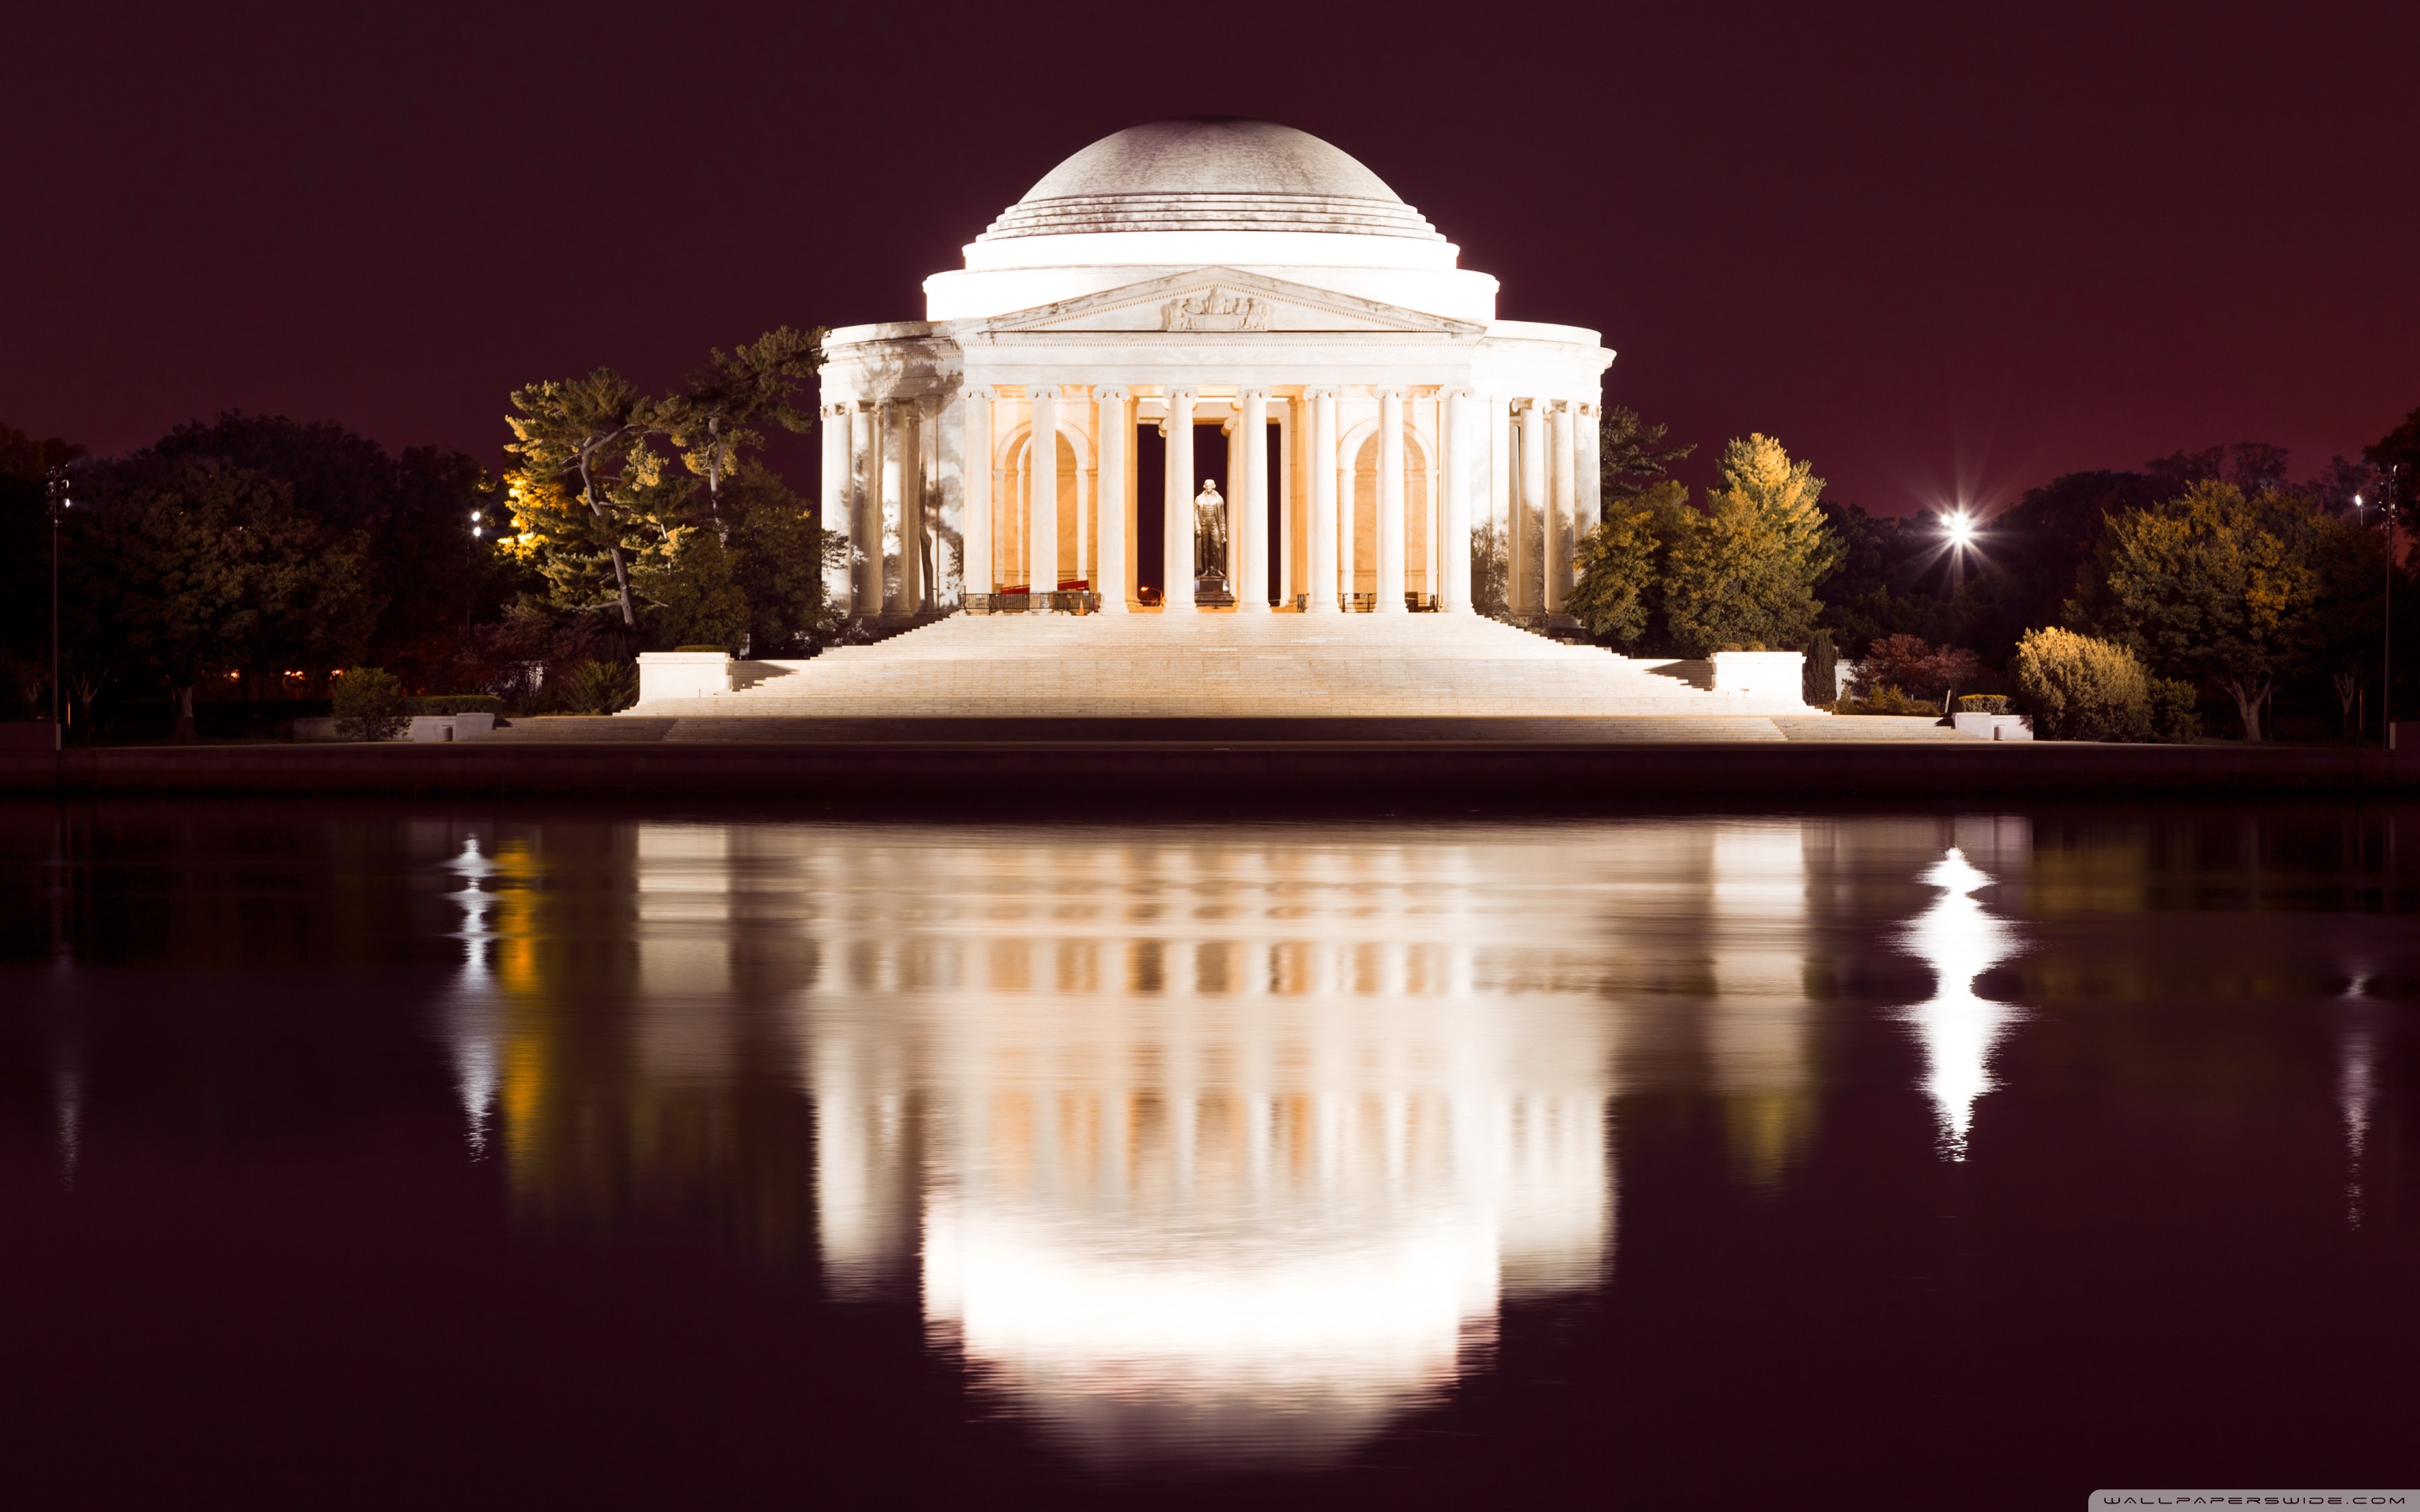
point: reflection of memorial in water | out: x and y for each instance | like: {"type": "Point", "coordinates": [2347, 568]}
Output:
{"type": "Point", "coordinates": [1185, 1139]}
{"type": "Point", "coordinates": [1211, 1144]}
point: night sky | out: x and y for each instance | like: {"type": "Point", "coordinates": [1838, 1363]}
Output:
{"type": "Point", "coordinates": [1938, 252]}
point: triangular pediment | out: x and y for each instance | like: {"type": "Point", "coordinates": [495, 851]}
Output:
{"type": "Point", "coordinates": [1222, 300]}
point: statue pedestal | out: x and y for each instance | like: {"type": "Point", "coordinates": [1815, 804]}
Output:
{"type": "Point", "coordinates": [1212, 590]}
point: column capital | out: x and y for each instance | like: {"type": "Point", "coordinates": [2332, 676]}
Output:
{"type": "Point", "coordinates": [1387, 391]}
{"type": "Point", "coordinates": [1450, 393]}
{"type": "Point", "coordinates": [1320, 390]}
{"type": "Point", "coordinates": [1111, 394]}
{"type": "Point", "coordinates": [1252, 391]}
{"type": "Point", "coordinates": [1174, 394]}
{"type": "Point", "coordinates": [1042, 391]}
{"type": "Point", "coordinates": [980, 393]}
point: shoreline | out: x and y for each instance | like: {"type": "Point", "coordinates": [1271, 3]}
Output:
{"type": "Point", "coordinates": [974, 771]}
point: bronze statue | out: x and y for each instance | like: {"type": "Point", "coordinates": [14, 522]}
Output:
{"type": "Point", "coordinates": [1210, 533]}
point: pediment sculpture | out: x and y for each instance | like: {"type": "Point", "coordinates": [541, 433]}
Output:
{"type": "Point", "coordinates": [1215, 309]}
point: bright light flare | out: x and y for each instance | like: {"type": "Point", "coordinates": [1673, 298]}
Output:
{"type": "Point", "coordinates": [1959, 527]}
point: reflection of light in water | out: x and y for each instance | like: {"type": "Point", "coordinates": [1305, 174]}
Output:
{"type": "Point", "coordinates": [1229, 1144]}
{"type": "Point", "coordinates": [1961, 942]}
{"type": "Point", "coordinates": [2356, 1086]}
{"type": "Point", "coordinates": [471, 1028]}
{"type": "Point", "coordinates": [67, 1089]}
{"type": "Point", "coordinates": [1215, 1148]}
{"type": "Point", "coordinates": [1756, 1022]}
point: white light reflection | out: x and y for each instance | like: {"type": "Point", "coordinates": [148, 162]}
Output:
{"type": "Point", "coordinates": [2356, 1087]}
{"type": "Point", "coordinates": [1958, 1029]}
{"type": "Point", "coordinates": [470, 1028]}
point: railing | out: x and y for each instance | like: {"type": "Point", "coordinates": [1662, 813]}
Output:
{"type": "Point", "coordinates": [1076, 601]}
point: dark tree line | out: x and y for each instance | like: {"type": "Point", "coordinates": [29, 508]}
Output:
{"type": "Point", "coordinates": [255, 558]}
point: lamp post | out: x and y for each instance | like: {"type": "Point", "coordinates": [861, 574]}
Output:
{"type": "Point", "coordinates": [2386, 651]}
{"type": "Point", "coordinates": [60, 502]}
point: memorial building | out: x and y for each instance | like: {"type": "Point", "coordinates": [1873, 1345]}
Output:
{"type": "Point", "coordinates": [1211, 423]}
{"type": "Point", "coordinates": [1207, 319]}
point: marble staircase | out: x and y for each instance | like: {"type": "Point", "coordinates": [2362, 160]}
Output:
{"type": "Point", "coordinates": [1217, 666]}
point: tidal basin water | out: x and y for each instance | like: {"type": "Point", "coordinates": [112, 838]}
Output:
{"type": "Point", "coordinates": [390, 1156]}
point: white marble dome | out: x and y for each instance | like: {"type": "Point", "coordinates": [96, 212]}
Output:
{"type": "Point", "coordinates": [1211, 174]}
{"type": "Point", "coordinates": [1209, 191]}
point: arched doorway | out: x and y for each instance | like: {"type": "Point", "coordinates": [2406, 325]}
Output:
{"type": "Point", "coordinates": [1010, 557]}
{"type": "Point", "coordinates": [1421, 574]}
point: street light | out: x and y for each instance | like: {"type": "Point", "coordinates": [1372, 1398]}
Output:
{"type": "Point", "coordinates": [1959, 527]}
{"type": "Point", "coordinates": [61, 501]}
{"type": "Point", "coordinates": [2387, 653]}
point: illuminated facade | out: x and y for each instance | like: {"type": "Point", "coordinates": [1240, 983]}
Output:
{"type": "Point", "coordinates": [1234, 275]}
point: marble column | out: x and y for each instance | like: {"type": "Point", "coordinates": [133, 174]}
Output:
{"type": "Point", "coordinates": [1454, 550]}
{"type": "Point", "coordinates": [1176, 537]}
{"type": "Point", "coordinates": [1110, 501]}
{"type": "Point", "coordinates": [1348, 516]}
{"type": "Point", "coordinates": [1433, 504]}
{"type": "Point", "coordinates": [1253, 592]}
{"type": "Point", "coordinates": [1592, 480]}
{"type": "Point", "coordinates": [865, 513]}
{"type": "Point", "coordinates": [975, 470]}
{"type": "Point", "coordinates": [1499, 478]}
{"type": "Point", "coordinates": [1323, 500]}
{"type": "Point", "coordinates": [1042, 493]}
{"type": "Point", "coordinates": [1391, 502]}
{"type": "Point", "coordinates": [1529, 505]}
{"type": "Point", "coordinates": [834, 514]}
{"type": "Point", "coordinates": [907, 444]}
{"type": "Point", "coordinates": [1294, 417]}
{"type": "Point", "coordinates": [1232, 433]}
{"type": "Point", "coordinates": [1562, 501]}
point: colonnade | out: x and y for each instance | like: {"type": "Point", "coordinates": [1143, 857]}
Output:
{"type": "Point", "coordinates": [879, 476]}
{"type": "Point", "coordinates": [1535, 456]}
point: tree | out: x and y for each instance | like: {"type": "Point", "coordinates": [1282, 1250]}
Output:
{"type": "Point", "coordinates": [431, 575]}
{"type": "Point", "coordinates": [1631, 456]}
{"type": "Point", "coordinates": [584, 442]}
{"type": "Point", "coordinates": [713, 423]}
{"type": "Point", "coordinates": [1746, 572]}
{"type": "Point", "coordinates": [195, 567]}
{"type": "Point", "coordinates": [1622, 563]}
{"type": "Point", "coordinates": [692, 596]}
{"type": "Point", "coordinates": [2216, 585]}
{"type": "Point", "coordinates": [2399, 448]}
{"type": "Point", "coordinates": [597, 511]}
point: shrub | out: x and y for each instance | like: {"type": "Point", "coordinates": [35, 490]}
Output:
{"type": "Point", "coordinates": [2175, 710]}
{"type": "Point", "coordinates": [1819, 682]}
{"type": "Point", "coordinates": [601, 687]}
{"type": "Point", "coordinates": [726, 650]}
{"type": "Point", "coordinates": [455, 703]}
{"type": "Point", "coordinates": [2082, 688]}
{"type": "Point", "coordinates": [1885, 699]}
{"type": "Point", "coordinates": [369, 705]}
{"type": "Point", "coordinates": [1984, 704]}
{"type": "Point", "coordinates": [1919, 666]}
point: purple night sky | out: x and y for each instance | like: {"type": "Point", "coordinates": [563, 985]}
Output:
{"type": "Point", "coordinates": [1939, 252]}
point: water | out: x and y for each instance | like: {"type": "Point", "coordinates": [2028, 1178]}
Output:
{"type": "Point", "coordinates": [384, 1156]}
